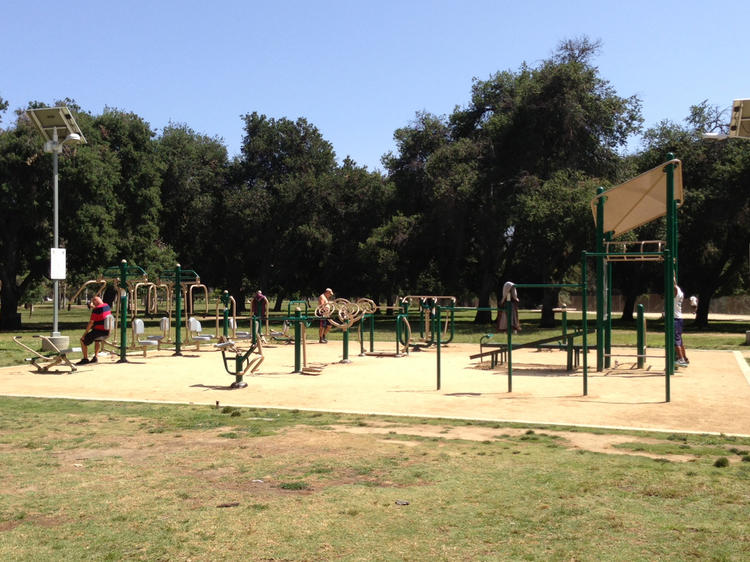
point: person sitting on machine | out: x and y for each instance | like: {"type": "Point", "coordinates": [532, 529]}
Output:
{"type": "Point", "coordinates": [95, 330]}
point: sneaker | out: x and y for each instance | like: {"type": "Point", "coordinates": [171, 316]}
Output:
{"type": "Point", "coordinates": [93, 359]}
{"type": "Point", "coordinates": [682, 363]}
{"type": "Point", "coordinates": [323, 341]}
{"type": "Point", "coordinates": [83, 361]}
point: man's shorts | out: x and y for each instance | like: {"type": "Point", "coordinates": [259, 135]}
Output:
{"type": "Point", "coordinates": [90, 337]}
{"type": "Point", "coordinates": [678, 332]}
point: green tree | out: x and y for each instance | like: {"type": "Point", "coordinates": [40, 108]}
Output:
{"type": "Point", "coordinates": [356, 202]}
{"type": "Point", "coordinates": [25, 217]}
{"type": "Point", "coordinates": [194, 177]}
{"type": "Point", "coordinates": [556, 226]}
{"type": "Point", "coordinates": [417, 267]}
{"type": "Point", "coordinates": [138, 172]}
{"type": "Point", "coordinates": [713, 220]}
{"type": "Point", "coordinates": [477, 172]}
{"type": "Point", "coordinates": [277, 203]}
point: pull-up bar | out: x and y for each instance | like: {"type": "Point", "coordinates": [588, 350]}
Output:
{"type": "Point", "coordinates": [548, 285]}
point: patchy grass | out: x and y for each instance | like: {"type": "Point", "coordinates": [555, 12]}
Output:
{"type": "Point", "coordinates": [88, 480]}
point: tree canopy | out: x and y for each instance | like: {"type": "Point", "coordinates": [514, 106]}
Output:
{"type": "Point", "coordinates": [498, 190]}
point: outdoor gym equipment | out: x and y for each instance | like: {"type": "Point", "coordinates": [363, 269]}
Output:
{"type": "Point", "coordinates": [651, 195]}
{"type": "Point", "coordinates": [343, 315]}
{"type": "Point", "coordinates": [195, 333]}
{"type": "Point", "coordinates": [283, 335]}
{"type": "Point", "coordinates": [140, 340]}
{"type": "Point", "coordinates": [242, 361]}
{"type": "Point", "coordinates": [403, 335]}
{"type": "Point", "coordinates": [229, 321]}
{"type": "Point", "coordinates": [153, 298]}
{"type": "Point", "coordinates": [124, 270]}
{"type": "Point", "coordinates": [564, 342]}
{"type": "Point", "coordinates": [193, 287]}
{"type": "Point", "coordinates": [428, 326]}
{"type": "Point", "coordinates": [179, 280]}
{"type": "Point", "coordinates": [260, 303]}
{"type": "Point", "coordinates": [101, 285]}
{"type": "Point", "coordinates": [55, 357]}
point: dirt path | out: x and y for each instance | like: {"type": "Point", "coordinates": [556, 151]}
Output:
{"type": "Point", "coordinates": [712, 395]}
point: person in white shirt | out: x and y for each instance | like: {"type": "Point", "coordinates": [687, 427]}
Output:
{"type": "Point", "coordinates": [679, 346]}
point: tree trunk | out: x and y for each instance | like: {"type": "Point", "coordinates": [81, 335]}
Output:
{"type": "Point", "coordinates": [9, 317]}
{"type": "Point", "coordinates": [628, 306]}
{"type": "Point", "coordinates": [549, 301]}
{"type": "Point", "coordinates": [240, 300]}
{"type": "Point", "coordinates": [704, 300]}
{"type": "Point", "coordinates": [484, 316]}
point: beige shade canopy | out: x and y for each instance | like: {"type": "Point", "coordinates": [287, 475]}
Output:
{"type": "Point", "coordinates": [739, 122]}
{"type": "Point", "coordinates": [638, 201]}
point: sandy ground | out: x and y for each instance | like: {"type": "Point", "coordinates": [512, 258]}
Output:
{"type": "Point", "coordinates": [712, 395]}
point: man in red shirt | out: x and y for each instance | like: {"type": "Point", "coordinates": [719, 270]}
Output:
{"type": "Point", "coordinates": [95, 330]}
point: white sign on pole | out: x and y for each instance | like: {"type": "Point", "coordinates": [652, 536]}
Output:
{"type": "Point", "coordinates": [57, 264]}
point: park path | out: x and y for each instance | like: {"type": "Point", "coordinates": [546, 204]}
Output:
{"type": "Point", "coordinates": [712, 395]}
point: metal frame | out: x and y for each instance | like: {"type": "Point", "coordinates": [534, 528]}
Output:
{"type": "Point", "coordinates": [54, 123]}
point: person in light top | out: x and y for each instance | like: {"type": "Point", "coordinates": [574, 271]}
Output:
{"type": "Point", "coordinates": [325, 325]}
{"type": "Point", "coordinates": [679, 346]}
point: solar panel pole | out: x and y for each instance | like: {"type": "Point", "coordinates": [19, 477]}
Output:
{"type": "Point", "coordinates": [47, 121]}
{"type": "Point", "coordinates": [56, 235]}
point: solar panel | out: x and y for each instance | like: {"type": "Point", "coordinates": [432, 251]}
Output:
{"type": "Point", "coordinates": [50, 119]}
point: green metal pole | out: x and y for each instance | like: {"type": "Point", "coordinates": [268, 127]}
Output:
{"type": "Point", "coordinates": [668, 325]}
{"type": "Point", "coordinates": [509, 326]}
{"type": "Point", "coordinates": [398, 334]}
{"type": "Point", "coordinates": [178, 309]}
{"type": "Point", "coordinates": [298, 340]}
{"type": "Point", "coordinates": [345, 358]}
{"type": "Point", "coordinates": [372, 333]}
{"type": "Point", "coordinates": [361, 331]}
{"type": "Point", "coordinates": [670, 275]}
{"type": "Point", "coordinates": [600, 280]}
{"type": "Point", "coordinates": [608, 321]}
{"type": "Point", "coordinates": [439, 334]}
{"type": "Point", "coordinates": [641, 339]}
{"type": "Point", "coordinates": [225, 300]}
{"type": "Point", "coordinates": [675, 241]}
{"type": "Point", "coordinates": [584, 306]}
{"type": "Point", "coordinates": [565, 322]}
{"type": "Point", "coordinates": [124, 308]}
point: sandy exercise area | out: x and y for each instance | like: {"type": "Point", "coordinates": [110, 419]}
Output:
{"type": "Point", "coordinates": [711, 395]}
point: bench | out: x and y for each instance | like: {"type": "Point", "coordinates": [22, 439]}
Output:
{"type": "Point", "coordinates": [498, 351]}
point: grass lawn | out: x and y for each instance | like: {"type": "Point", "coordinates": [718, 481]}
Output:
{"type": "Point", "coordinates": [83, 480]}
{"type": "Point", "coordinates": [113, 481]}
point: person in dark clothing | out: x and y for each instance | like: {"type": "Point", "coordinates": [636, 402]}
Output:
{"type": "Point", "coordinates": [95, 330]}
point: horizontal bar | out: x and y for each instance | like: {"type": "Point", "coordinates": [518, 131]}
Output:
{"type": "Point", "coordinates": [547, 285]}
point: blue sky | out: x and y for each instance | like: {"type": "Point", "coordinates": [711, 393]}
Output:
{"type": "Point", "coordinates": [356, 70]}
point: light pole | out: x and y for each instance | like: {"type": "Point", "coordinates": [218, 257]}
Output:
{"type": "Point", "coordinates": [52, 123]}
